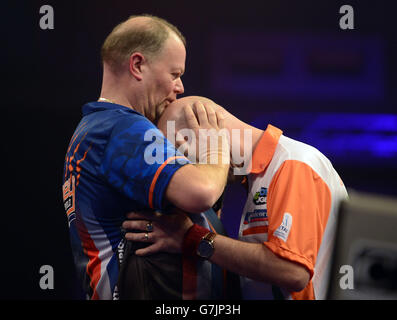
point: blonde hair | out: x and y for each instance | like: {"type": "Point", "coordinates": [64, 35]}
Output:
{"type": "Point", "coordinates": [147, 39]}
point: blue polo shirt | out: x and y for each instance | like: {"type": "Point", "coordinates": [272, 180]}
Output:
{"type": "Point", "coordinates": [117, 161]}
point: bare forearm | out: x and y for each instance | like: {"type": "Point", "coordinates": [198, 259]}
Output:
{"type": "Point", "coordinates": [256, 261]}
{"type": "Point", "coordinates": [215, 176]}
{"type": "Point", "coordinates": [196, 188]}
{"type": "Point", "coordinates": [252, 260]}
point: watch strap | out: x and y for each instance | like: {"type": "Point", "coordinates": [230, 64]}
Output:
{"type": "Point", "coordinates": [210, 236]}
{"type": "Point", "coordinates": [192, 239]}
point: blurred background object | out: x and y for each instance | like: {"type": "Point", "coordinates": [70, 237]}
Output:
{"type": "Point", "coordinates": [366, 242]}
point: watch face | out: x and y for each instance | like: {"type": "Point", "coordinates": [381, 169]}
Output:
{"type": "Point", "coordinates": [205, 249]}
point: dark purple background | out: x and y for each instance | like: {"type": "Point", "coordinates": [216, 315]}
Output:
{"type": "Point", "coordinates": [283, 62]}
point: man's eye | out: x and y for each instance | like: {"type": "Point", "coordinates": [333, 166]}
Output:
{"type": "Point", "coordinates": [176, 75]}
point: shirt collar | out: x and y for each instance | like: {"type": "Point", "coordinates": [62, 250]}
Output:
{"type": "Point", "coordinates": [265, 149]}
{"type": "Point", "coordinates": [101, 106]}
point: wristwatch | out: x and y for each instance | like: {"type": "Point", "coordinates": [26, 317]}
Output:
{"type": "Point", "coordinates": [206, 248]}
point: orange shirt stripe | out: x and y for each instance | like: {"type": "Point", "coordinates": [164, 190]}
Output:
{"type": "Point", "coordinates": [153, 184]}
{"type": "Point", "coordinates": [255, 230]}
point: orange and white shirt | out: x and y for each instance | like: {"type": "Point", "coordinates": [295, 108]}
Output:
{"type": "Point", "coordinates": [293, 199]}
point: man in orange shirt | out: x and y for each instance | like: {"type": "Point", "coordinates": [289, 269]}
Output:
{"type": "Point", "coordinates": [288, 224]}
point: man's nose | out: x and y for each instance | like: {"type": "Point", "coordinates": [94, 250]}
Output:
{"type": "Point", "coordinates": [179, 89]}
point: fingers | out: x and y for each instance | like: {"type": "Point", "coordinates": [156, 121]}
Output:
{"type": "Point", "coordinates": [191, 119]}
{"type": "Point", "coordinates": [135, 225]}
{"type": "Point", "coordinates": [206, 114]}
{"type": "Point", "coordinates": [140, 237]}
{"type": "Point", "coordinates": [201, 114]}
{"type": "Point", "coordinates": [212, 116]}
{"type": "Point", "coordinates": [221, 119]}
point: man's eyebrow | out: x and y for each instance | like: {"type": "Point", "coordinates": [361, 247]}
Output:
{"type": "Point", "coordinates": [180, 70]}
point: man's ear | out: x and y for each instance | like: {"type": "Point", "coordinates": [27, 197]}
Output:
{"type": "Point", "coordinates": [135, 65]}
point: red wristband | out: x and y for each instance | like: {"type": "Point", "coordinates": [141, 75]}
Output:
{"type": "Point", "coordinates": [192, 239]}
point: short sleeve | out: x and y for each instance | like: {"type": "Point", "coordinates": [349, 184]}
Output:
{"type": "Point", "coordinates": [299, 202]}
{"type": "Point", "coordinates": [139, 161]}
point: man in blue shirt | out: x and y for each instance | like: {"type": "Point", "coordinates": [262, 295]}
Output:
{"type": "Point", "coordinates": [106, 174]}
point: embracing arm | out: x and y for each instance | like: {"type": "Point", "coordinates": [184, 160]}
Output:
{"type": "Point", "coordinates": [256, 261]}
{"type": "Point", "coordinates": [196, 187]}
{"type": "Point", "coordinates": [253, 260]}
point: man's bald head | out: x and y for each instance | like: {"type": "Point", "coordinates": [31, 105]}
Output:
{"type": "Point", "coordinates": [174, 112]}
{"type": "Point", "coordinates": [241, 143]}
{"type": "Point", "coordinates": [144, 33]}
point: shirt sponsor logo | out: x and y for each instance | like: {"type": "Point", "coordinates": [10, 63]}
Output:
{"type": "Point", "coordinates": [259, 220]}
{"type": "Point", "coordinates": [255, 216]}
{"type": "Point", "coordinates": [283, 230]}
{"type": "Point", "coordinates": [69, 196]}
{"type": "Point", "coordinates": [260, 196]}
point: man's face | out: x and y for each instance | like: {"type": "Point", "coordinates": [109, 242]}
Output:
{"type": "Point", "coordinates": [163, 81]}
